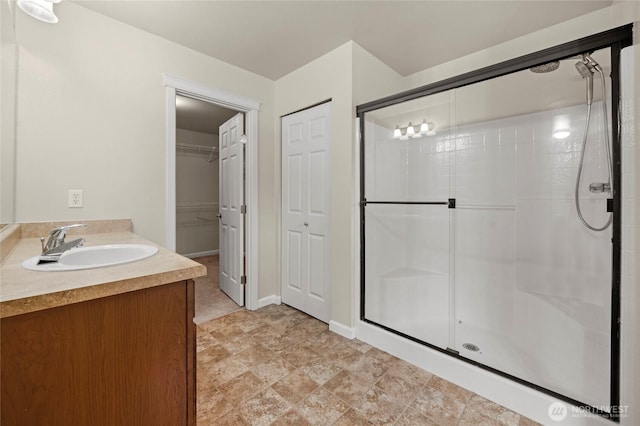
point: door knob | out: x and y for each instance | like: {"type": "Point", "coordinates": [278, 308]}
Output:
{"type": "Point", "coordinates": [306, 224]}
{"type": "Point", "coordinates": [219, 216]}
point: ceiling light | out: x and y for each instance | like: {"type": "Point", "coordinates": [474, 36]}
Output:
{"type": "Point", "coordinates": [397, 133]}
{"type": "Point", "coordinates": [42, 10]}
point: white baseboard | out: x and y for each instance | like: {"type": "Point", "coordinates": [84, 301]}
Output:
{"type": "Point", "coordinates": [269, 300]}
{"type": "Point", "coordinates": [201, 253]}
{"type": "Point", "coordinates": [341, 329]}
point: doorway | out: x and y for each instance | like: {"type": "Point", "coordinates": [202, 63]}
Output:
{"type": "Point", "coordinates": [197, 175]}
{"type": "Point", "coordinates": [249, 108]}
{"type": "Point", "coordinates": [201, 233]}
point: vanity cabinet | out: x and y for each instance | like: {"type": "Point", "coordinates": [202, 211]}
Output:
{"type": "Point", "coordinates": [125, 359]}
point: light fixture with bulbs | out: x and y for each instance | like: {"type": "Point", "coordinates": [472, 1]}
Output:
{"type": "Point", "coordinates": [42, 10]}
{"type": "Point", "coordinates": [414, 131]}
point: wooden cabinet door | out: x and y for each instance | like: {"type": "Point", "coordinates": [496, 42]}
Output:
{"type": "Point", "coordinates": [120, 360]}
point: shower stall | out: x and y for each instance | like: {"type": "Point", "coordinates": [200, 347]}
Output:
{"type": "Point", "coordinates": [490, 218]}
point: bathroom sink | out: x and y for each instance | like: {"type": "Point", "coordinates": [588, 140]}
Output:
{"type": "Point", "coordinates": [93, 257]}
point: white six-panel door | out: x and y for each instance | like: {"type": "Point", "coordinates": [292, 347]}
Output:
{"type": "Point", "coordinates": [231, 193]}
{"type": "Point", "coordinates": [306, 277]}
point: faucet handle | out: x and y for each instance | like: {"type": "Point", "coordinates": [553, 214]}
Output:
{"type": "Point", "coordinates": [61, 232]}
{"type": "Point", "coordinates": [56, 237]}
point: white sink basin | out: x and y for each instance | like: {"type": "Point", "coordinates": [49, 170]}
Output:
{"type": "Point", "coordinates": [93, 257]}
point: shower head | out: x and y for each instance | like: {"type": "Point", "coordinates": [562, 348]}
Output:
{"type": "Point", "coordinates": [585, 68]}
{"type": "Point", "coordinates": [544, 68]}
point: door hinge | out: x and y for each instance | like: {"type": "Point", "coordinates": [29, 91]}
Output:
{"type": "Point", "coordinates": [243, 279]}
{"type": "Point", "coordinates": [243, 209]}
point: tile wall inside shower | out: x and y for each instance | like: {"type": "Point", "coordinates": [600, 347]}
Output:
{"type": "Point", "coordinates": [511, 270]}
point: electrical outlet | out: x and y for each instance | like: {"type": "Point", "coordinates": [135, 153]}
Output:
{"type": "Point", "coordinates": [75, 198]}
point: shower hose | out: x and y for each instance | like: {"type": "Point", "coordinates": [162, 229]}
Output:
{"type": "Point", "coordinates": [609, 161]}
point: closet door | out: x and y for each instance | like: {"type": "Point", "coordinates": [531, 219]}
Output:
{"type": "Point", "coordinates": [231, 215]}
{"type": "Point", "coordinates": [306, 273]}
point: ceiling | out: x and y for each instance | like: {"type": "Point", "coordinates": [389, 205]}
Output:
{"type": "Point", "coordinates": [273, 38]}
{"type": "Point", "coordinates": [200, 116]}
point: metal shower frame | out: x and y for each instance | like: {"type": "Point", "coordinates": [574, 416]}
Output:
{"type": "Point", "coordinates": [616, 39]}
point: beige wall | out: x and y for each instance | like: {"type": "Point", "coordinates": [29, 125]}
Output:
{"type": "Point", "coordinates": [372, 79]}
{"type": "Point", "coordinates": [92, 106]}
{"type": "Point", "coordinates": [91, 116]}
{"type": "Point", "coordinates": [302, 88]}
{"type": "Point", "coordinates": [310, 85]}
{"type": "Point", "coordinates": [8, 74]}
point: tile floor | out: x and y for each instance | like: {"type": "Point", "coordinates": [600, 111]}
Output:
{"type": "Point", "coordinates": [278, 366]}
{"type": "Point", "coordinates": [211, 302]}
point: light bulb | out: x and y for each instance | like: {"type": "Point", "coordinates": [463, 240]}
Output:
{"type": "Point", "coordinates": [424, 127]}
{"type": "Point", "coordinates": [397, 133]}
{"type": "Point", "coordinates": [410, 130]}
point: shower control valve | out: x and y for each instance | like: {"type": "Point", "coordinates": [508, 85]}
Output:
{"type": "Point", "coordinates": [599, 187]}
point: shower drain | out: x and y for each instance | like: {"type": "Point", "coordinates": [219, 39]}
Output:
{"type": "Point", "coordinates": [470, 347]}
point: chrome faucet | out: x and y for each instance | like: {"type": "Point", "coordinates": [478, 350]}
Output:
{"type": "Point", "coordinates": [55, 245]}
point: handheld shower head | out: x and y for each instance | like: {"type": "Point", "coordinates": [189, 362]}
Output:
{"type": "Point", "coordinates": [583, 69]}
{"type": "Point", "coordinates": [586, 71]}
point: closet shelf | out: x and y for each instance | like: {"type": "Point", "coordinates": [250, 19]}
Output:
{"type": "Point", "coordinates": [197, 213]}
{"type": "Point", "coordinates": [197, 221]}
{"type": "Point", "coordinates": [185, 147]}
{"type": "Point", "coordinates": [197, 206]}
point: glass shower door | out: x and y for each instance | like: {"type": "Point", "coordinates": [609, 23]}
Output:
{"type": "Point", "coordinates": [406, 220]}
{"type": "Point", "coordinates": [408, 275]}
{"type": "Point", "coordinates": [532, 291]}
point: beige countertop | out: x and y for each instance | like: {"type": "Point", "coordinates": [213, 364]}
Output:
{"type": "Point", "coordinates": [23, 291]}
